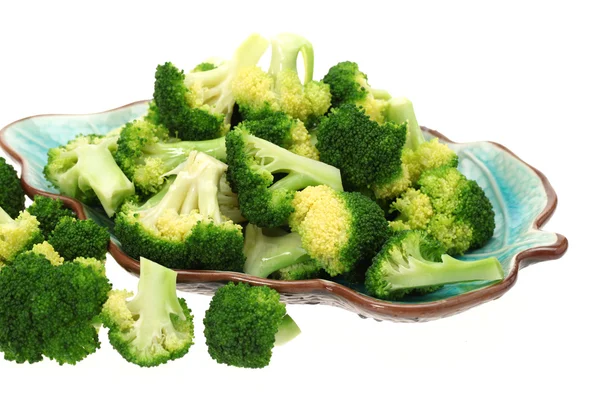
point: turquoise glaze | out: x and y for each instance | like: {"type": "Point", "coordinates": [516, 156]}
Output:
{"type": "Point", "coordinates": [516, 191]}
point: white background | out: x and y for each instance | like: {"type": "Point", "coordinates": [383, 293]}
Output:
{"type": "Point", "coordinates": [524, 74]}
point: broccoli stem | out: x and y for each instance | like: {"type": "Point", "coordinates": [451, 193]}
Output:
{"type": "Point", "coordinates": [284, 54]}
{"type": "Point", "coordinates": [400, 110]}
{"type": "Point", "coordinates": [5, 218]}
{"type": "Point", "coordinates": [288, 330]}
{"type": "Point", "coordinates": [173, 154]}
{"type": "Point", "coordinates": [155, 302]}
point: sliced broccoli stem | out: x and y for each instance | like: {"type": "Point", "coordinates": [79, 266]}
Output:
{"type": "Point", "coordinates": [400, 110]}
{"type": "Point", "coordinates": [155, 302]}
{"type": "Point", "coordinates": [284, 54]}
{"type": "Point", "coordinates": [267, 254]}
{"type": "Point", "coordinates": [288, 330]}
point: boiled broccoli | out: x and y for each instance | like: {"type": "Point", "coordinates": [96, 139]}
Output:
{"type": "Point", "coordinates": [155, 326]}
{"type": "Point", "coordinates": [48, 212]}
{"type": "Point", "coordinates": [17, 235]}
{"type": "Point", "coordinates": [340, 230]}
{"type": "Point", "coordinates": [412, 262]}
{"type": "Point", "coordinates": [146, 154]}
{"type": "Point", "coordinates": [183, 226]}
{"type": "Point", "coordinates": [450, 207]}
{"type": "Point", "coordinates": [243, 323]}
{"type": "Point", "coordinates": [12, 198]}
{"type": "Point", "coordinates": [74, 238]}
{"type": "Point", "coordinates": [266, 177]}
{"type": "Point", "coordinates": [49, 310]}
{"type": "Point", "coordinates": [266, 255]}
{"type": "Point", "coordinates": [85, 169]}
{"type": "Point", "coordinates": [199, 105]}
{"type": "Point", "coordinates": [348, 85]}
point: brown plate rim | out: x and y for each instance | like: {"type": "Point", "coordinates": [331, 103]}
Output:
{"type": "Point", "coordinates": [415, 311]}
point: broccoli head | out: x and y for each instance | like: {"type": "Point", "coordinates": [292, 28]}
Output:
{"type": "Point", "coordinates": [243, 323]}
{"type": "Point", "coordinates": [74, 238]}
{"type": "Point", "coordinates": [340, 230]}
{"type": "Point", "coordinates": [146, 154]}
{"type": "Point", "coordinates": [85, 169]}
{"type": "Point", "coordinates": [17, 235]}
{"type": "Point", "coordinates": [48, 212]}
{"type": "Point", "coordinates": [199, 105]}
{"type": "Point", "coordinates": [182, 226]}
{"type": "Point", "coordinates": [12, 198]}
{"type": "Point", "coordinates": [412, 262]}
{"type": "Point", "coordinates": [266, 177]}
{"type": "Point", "coordinates": [153, 327]}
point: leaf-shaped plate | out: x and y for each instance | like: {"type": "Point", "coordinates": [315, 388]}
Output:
{"type": "Point", "coordinates": [522, 198]}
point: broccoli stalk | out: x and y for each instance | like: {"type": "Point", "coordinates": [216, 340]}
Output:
{"type": "Point", "coordinates": [85, 169]}
{"type": "Point", "coordinates": [399, 111]}
{"type": "Point", "coordinates": [287, 330]}
{"type": "Point", "coordinates": [285, 48]}
{"type": "Point", "coordinates": [412, 262]}
{"type": "Point", "coordinates": [155, 326]}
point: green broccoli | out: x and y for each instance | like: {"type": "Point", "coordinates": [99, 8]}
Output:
{"type": "Point", "coordinates": [348, 85]}
{"type": "Point", "coordinates": [155, 326]}
{"type": "Point", "coordinates": [254, 166]}
{"type": "Point", "coordinates": [146, 155]}
{"type": "Point", "coordinates": [340, 230]}
{"type": "Point", "coordinates": [199, 105]}
{"type": "Point", "coordinates": [48, 212]}
{"type": "Point", "coordinates": [17, 235]}
{"type": "Point", "coordinates": [74, 238]}
{"type": "Point", "coordinates": [266, 255]}
{"type": "Point", "coordinates": [49, 310]}
{"type": "Point", "coordinates": [85, 169]}
{"type": "Point", "coordinates": [450, 207]}
{"type": "Point", "coordinates": [183, 226]}
{"type": "Point", "coordinates": [412, 262]}
{"type": "Point", "coordinates": [12, 198]}
{"type": "Point", "coordinates": [298, 272]}
{"type": "Point", "coordinates": [243, 323]}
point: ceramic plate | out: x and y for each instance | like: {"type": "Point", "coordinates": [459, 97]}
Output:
{"type": "Point", "coordinates": [522, 198]}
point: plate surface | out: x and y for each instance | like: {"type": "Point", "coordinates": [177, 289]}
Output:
{"type": "Point", "coordinates": [522, 198]}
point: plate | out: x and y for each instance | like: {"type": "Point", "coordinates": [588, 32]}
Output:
{"type": "Point", "coordinates": [522, 197]}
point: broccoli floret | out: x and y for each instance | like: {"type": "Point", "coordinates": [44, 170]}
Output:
{"type": "Point", "coordinates": [366, 152]}
{"type": "Point", "coordinates": [297, 272]}
{"type": "Point", "coordinates": [450, 207]}
{"type": "Point", "coordinates": [47, 250]}
{"type": "Point", "coordinates": [17, 235]}
{"type": "Point", "coordinates": [153, 327]}
{"type": "Point", "coordinates": [340, 230]}
{"type": "Point", "coordinates": [254, 166]}
{"type": "Point", "coordinates": [12, 198]}
{"type": "Point", "coordinates": [199, 105]}
{"type": "Point", "coordinates": [48, 310]}
{"type": "Point", "coordinates": [348, 85]}
{"type": "Point", "coordinates": [85, 169]}
{"type": "Point", "coordinates": [74, 238]}
{"type": "Point", "coordinates": [183, 226]}
{"type": "Point", "coordinates": [48, 212]}
{"type": "Point", "coordinates": [412, 262]}
{"type": "Point", "coordinates": [146, 155]}
{"type": "Point", "coordinates": [268, 254]}
{"type": "Point", "coordinates": [243, 323]}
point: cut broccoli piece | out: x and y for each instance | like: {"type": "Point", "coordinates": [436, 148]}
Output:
{"type": "Point", "coordinates": [155, 326]}
{"type": "Point", "coordinates": [47, 250]}
{"type": "Point", "coordinates": [254, 166]}
{"type": "Point", "coordinates": [297, 272]}
{"type": "Point", "coordinates": [17, 235]}
{"type": "Point", "coordinates": [199, 105]}
{"type": "Point", "coordinates": [146, 155]}
{"type": "Point", "coordinates": [48, 212]}
{"type": "Point", "coordinates": [85, 169]}
{"type": "Point", "coordinates": [74, 238]}
{"type": "Point", "coordinates": [450, 207]}
{"type": "Point", "coordinates": [48, 310]}
{"type": "Point", "coordinates": [412, 262]}
{"type": "Point", "coordinates": [183, 226]}
{"type": "Point", "coordinates": [243, 323]}
{"type": "Point", "coordinates": [340, 230]}
{"type": "Point", "coordinates": [12, 198]}
{"type": "Point", "coordinates": [266, 255]}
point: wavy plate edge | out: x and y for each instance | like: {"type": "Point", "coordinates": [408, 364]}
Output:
{"type": "Point", "coordinates": [324, 291]}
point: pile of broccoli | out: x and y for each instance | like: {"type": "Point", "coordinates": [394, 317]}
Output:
{"type": "Point", "coordinates": [267, 173]}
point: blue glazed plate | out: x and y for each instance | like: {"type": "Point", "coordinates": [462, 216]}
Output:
{"type": "Point", "coordinates": [522, 198]}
